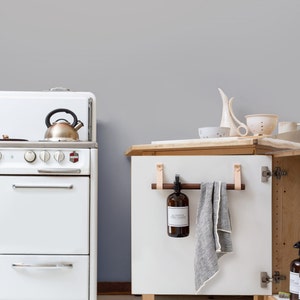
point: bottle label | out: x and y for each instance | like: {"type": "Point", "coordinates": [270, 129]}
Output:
{"type": "Point", "coordinates": [178, 216]}
{"type": "Point", "coordinates": [294, 283]}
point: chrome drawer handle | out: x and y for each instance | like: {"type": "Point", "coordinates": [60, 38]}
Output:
{"type": "Point", "coordinates": [30, 186]}
{"type": "Point", "coordinates": [42, 266]}
{"type": "Point", "coordinates": [59, 170]}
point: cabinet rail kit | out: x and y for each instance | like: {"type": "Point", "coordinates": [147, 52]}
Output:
{"type": "Point", "coordinates": [159, 185]}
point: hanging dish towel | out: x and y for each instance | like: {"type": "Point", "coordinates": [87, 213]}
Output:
{"type": "Point", "coordinates": [213, 232]}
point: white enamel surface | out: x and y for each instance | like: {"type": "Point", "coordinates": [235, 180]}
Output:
{"type": "Point", "coordinates": [44, 217]}
{"type": "Point", "coordinates": [23, 114]}
{"type": "Point", "coordinates": [38, 283]}
{"type": "Point", "coordinates": [13, 161]}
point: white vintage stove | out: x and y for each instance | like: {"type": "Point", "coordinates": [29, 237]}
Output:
{"type": "Point", "coordinates": [48, 203]}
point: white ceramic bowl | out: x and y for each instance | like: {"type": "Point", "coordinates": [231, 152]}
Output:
{"type": "Point", "coordinates": [261, 124]}
{"type": "Point", "coordinates": [213, 132]}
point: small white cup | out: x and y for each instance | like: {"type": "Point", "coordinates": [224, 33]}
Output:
{"type": "Point", "coordinates": [287, 126]}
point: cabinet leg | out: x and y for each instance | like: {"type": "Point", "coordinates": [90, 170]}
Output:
{"type": "Point", "coordinates": [256, 297]}
{"type": "Point", "coordinates": [148, 297]}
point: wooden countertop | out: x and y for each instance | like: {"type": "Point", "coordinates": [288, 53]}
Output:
{"type": "Point", "coordinates": [217, 146]}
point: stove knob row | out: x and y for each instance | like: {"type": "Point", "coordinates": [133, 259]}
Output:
{"type": "Point", "coordinates": [44, 156]}
{"type": "Point", "coordinates": [30, 156]}
{"type": "Point", "coordinates": [59, 156]}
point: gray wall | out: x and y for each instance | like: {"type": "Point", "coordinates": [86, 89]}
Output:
{"type": "Point", "coordinates": [155, 67]}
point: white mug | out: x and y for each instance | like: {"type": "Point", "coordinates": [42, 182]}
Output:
{"type": "Point", "coordinates": [287, 126]}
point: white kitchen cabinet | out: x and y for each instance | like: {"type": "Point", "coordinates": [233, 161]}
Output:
{"type": "Point", "coordinates": [264, 216]}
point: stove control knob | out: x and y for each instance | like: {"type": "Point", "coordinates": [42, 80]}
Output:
{"type": "Point", "coordinates": [59, 156]}
{"type": "Point", "coordinates": [44, 156]}
{"type": "Point", "coordinates": [30, 156]}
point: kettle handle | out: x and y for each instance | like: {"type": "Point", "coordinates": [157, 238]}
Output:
{"type": "Point", "coordinates": [47, 120]}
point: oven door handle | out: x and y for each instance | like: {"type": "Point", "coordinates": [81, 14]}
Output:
{"type": "Point", "coordinates": [36, 186]}
{"type": "Point", "coordinates": [42, 266]}
{"type": "Point", "coordinates": [59, 170]}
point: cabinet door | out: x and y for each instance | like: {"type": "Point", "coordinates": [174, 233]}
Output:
{"type": "Point", "coordinates": [165, 265]}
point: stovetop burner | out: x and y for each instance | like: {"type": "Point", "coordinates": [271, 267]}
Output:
{"type": "Point", "coordinates": [13, 140]}
{"type": "Point", "coordinates": [6, 138]}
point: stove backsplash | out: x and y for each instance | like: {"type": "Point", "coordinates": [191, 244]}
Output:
{"type": "Point", "coordinates": [23, 114]}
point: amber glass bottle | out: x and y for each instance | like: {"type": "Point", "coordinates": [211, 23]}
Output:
{"type": "Point", "coordinates": [294, 276]}
{"type": "Point", "coordinates": [178, 212]}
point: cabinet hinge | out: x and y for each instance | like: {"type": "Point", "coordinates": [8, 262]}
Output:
{"type": "Point", "coordinates": [265, 278]}
{"type": "Point", "coordinates": [266, 173]}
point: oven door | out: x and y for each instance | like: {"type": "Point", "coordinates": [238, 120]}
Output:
{"type": "Point", "coordinates": [44, 215]}
{"type": "Point", "coordinates": [43, 277]}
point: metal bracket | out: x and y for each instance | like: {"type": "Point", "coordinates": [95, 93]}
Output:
{"type": "Point", "coordinates": [265, 278]}
{"type": "Point", "coordinates": [266, 173]}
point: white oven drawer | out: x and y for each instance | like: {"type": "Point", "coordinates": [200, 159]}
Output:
{"type": "Point", "coordinates": [40, 277]}
{"type": "Point", "coordinates": [44, 215]}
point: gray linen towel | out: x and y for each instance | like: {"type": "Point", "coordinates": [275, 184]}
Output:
{"type": "Point", "coordinates": [213, 231]}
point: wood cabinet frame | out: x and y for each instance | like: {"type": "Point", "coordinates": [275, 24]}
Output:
{"type": "Point", "coordinates": [285, 193]}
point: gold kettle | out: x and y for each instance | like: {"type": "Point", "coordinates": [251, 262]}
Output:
{"type": "Point", "coordinates": [61, 129]}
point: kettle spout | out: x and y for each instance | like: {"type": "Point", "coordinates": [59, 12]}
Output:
{"type": "Point", "coordinates": [78, 125]}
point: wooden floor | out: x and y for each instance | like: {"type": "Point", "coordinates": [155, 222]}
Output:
{"type": "Point", "coordinates": [128, 297]}
{"type": "Point", "coordinates": [119, 297]}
